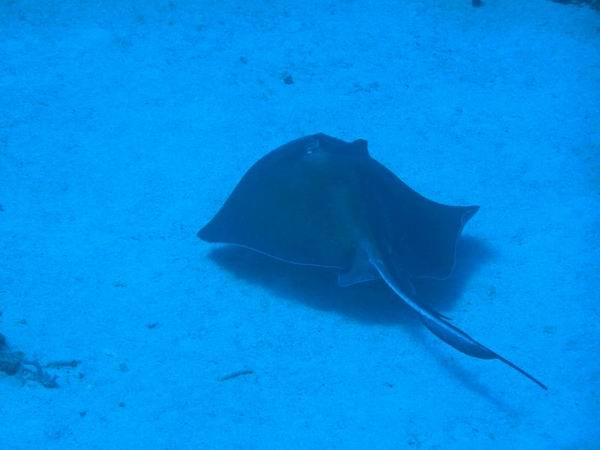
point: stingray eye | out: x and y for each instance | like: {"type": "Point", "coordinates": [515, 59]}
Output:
{"type": "Point", "coordinates": [312, 147]}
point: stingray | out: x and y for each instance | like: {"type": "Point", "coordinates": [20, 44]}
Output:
{"type": "Point", "coordinates": [321, 201]}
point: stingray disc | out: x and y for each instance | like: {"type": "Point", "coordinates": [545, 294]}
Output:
{"type": "Point", "coordinates": [315, 200]}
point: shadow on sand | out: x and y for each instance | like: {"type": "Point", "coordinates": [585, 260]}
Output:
{"type": "Point", "coordinates": [371, 302]}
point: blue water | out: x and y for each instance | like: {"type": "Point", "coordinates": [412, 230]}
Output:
{"type": "Point", "coordinates": [123, 129]}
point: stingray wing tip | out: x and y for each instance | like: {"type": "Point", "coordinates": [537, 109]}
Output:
{"type": "Point", "coordinates": [469, 211]}
{"type": "Point", "coordinates": [204, 234]}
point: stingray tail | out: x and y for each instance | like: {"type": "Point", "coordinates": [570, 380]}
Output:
{"type": "Point", "coordinates": [439, 325]}
{"type": "Point", "coordinates": [464, 343]}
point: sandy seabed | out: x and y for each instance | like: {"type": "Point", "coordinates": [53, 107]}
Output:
{"type": "Point", "coordinates": [124, 128]}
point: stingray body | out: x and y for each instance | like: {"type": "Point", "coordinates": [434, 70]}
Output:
{"type": "Point", "coordinates": [324, 202]}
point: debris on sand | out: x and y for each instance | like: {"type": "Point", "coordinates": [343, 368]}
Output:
{"type": "Point", "coordinates": [236, 374]}
{"type": "Point", "coordinates": [15, 363]}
